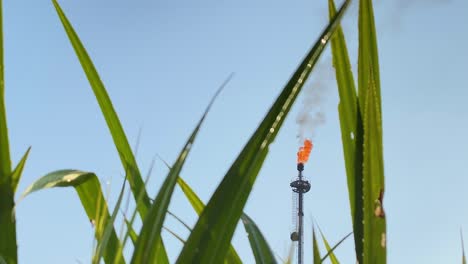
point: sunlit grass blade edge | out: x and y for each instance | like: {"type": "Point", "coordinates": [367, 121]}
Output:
{"type": "Point", "coordinates": [89, 191]}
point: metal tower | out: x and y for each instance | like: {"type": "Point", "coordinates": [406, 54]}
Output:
{"type": "Point", "coordinates": [299, 185]}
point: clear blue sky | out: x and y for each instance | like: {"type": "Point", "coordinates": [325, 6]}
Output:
{"type": "Point", "coordinates": [161, 61]}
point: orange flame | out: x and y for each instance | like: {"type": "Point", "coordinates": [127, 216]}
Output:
{"type": "Point", "coordinates": [304, 151]}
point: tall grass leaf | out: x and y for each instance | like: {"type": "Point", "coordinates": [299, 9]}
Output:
{"type": "Point", "coordinates": [118, 135]}
{"type": "Point", "coordinates": [89, 191]}
{"type": "Point", "coordinates": [109, 227]}
{"type": "Point", "coordinates": [258, 243]}
{"type": "Point", "coordinates": [231, 257]}
{"type": "Point", "coordinates": [148, 246]}
{"type": "Point", "coordinates": [210, 239]}
{"type": "Point", "coordinates": [368, 59]}
{"type": "Point", "coordinates": [5, 162]}
{"type": "Point", "coordinates": [18, 171]}
{"type": "Point", "coordinates": [375, 238]}
{"type": "Point", "coordinates": [132, 233]}
{"type": "Point", "coordinates": [351, 129]}
{"type": "Point", "coordinates": [7, 218]}
{"type": "Point", "coordinates": [330, 250]}
{"type": "Point", "coordinates": [315, 248]}
{"type": "Point", "coordinates": [2, 260]}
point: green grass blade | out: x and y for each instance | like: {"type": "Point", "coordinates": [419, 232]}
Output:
{"type": "Point", "coordinates": [18, 171]}
{"type": "Point", "coordinates": [179, 220]}
{"type": "Point", "coordinates": [133, 235]}
{"type": "Point", "coordinates": [315, 248]}
{"type": "Point", "coordinates": [330, 253]}
{"type": "Point", "coordinates": [89, 191]}
{"type": "Point", "coordinates": [211, 236]}
{"type": "Point", "coordinates": [109, 227]}
{"type": "Point", "coordinates": [260, 247]}
{"type": "Point", "coordinates": [330, 250]}
{"type": "Point", "coordinates": [8, 247]}
{"type": "Point", "coordinates": [130, 231]}
{"type": "Point", "coordinates": [118, 135]}
{"type": "Point", "coordinates": [373, 183]}
{"type": "Point", "coordinates": [174, 234]}
{"type": "Point", "coordinates": [5, 162]}
{"type": "Point", "coordinates": [198, 205]}
{"type": "Point", "coordinates": [351, 130]}
{"type": "Point", "coordinates": [368, 60]}
{"type": "Point", "coordinates": [147, 247]}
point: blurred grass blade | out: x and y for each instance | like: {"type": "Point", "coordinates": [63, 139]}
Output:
{"type": "Point", "coordinates": [231, 257]}
{"type": "Point", "coordinates": [260, 247]}
{"type": "Point", "coordinates": [463, 248]}
{"type": "Point", "coordinates": [315, 248]}
{"type": "Point", "coordinates": [290, 258]}
{"type": "Point", "coordinates": [109, 227]}
{"type": "Point", "coordinates": [88, 188]}
{"type": "Point", "coordinates": [147, 247]}
{"type": "Point", "coordinates": [330, 250]}
{"type": "Point", "coordinates": [351, 130]}
{"type": "Point", "coordinates": [211, 236]}
{"type": "Point", "coordinates": [18, 171]}
{"type": "Point", "coordinates": [118, 135]}
{"type": "Point", "coordinates": [8, 247]}
{"type": "Point", "coordinates": [373, 183]}
{"type": "Point", "coordinates": [330, 253]}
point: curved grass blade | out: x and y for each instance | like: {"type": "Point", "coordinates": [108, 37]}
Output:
{"type": "Point", "coordinates": [351, 130]}
{"type": "Point", "coordinates": [373, 183]}
{"type": "Point", "coordinates": [89, 191]}
{"type": "Point", "coordinates": [147, 247]}
{"type": "Point", "coordinates": [211, 236]}
{"type": "Point", "coordinates": [260, 247]}
{"type": "Point", "coordinates": [330, 250]}
{"type": "Point", "coordinates": [18, 171]}
{"type": "Point", "coordinates": [8, 247]}
{"type": "Point", "coordinates": [231, 257]}
{"type": "Point", "coordinates": [2, 260]}
{"type": "Point", "coordinates": [118, 135]}
{"type": "Point", "coordinates": [315, 248]}
{"type": "Point", "coordinates": [109, 227]}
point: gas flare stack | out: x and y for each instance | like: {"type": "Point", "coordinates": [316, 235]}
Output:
{"type": "Point", "coordinates": [300, 185]}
